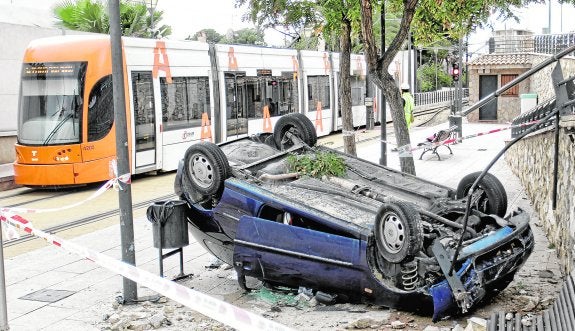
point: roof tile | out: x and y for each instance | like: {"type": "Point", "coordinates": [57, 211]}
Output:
{"type": "Point", "coordinates": [502, 59]}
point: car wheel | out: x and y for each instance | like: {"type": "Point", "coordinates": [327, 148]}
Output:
{"type": "Point", "coordinates": [309, 127]}
{"type": "Point", "coordinates": [490, 196]}
{"type": "Point", "coordinates": [206, 168]}
{"type": "Point", "coordinates": [296, 124]}
{"type": "Point", "coordinates": [398, 231]}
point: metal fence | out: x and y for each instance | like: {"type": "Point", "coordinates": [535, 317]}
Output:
{"type": "Point", "coordinates": [533, 117]}
{"type": "Point", "coordinates": [427, 98]}
{"type": "Point", "coordinates": [543, 44]}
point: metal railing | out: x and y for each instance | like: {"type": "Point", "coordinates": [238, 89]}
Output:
{"type": "Point", "coordinates": [427, 98]}
{"type": "Point", "coordinates": [533, 117]}
{"type": "Point", "coordinates": [543, 44]}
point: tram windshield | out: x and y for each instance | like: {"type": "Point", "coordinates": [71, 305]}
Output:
{"type": "Point", "coordinates": [51, 103]}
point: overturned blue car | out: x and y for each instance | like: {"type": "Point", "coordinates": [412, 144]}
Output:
{"type": "Point", "coordinates": [370, 234]}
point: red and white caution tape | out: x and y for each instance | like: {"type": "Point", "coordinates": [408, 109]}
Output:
{"type": "Point", "coordinates": [202, 303]}
{"type": "Point", "coordinates": [112, 183]}
{"type": "Point", "coordinates": [405, 151]}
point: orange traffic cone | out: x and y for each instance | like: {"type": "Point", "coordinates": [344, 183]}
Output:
{"type": "Point", "coordinates": [319, 117]}
{"type": "Point", "coordinates": [206, 128]}
{"type": "Point", "coordinates": [267, 120]}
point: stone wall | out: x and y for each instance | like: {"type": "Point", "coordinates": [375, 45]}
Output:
{"type": "Point", "coordinates": [7, 152]}
{"type": "Point", "coordinates": [531, 159]}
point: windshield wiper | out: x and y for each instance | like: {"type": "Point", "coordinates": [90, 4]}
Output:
{"type": "Point", "coordinates": [56, 128]}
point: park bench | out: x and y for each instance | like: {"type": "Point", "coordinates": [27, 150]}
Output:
{"type": "Point", "coordinates": [437, 140]}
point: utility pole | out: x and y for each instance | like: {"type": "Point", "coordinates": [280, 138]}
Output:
{"type": "Point", "coordinates": [383, 135]}
{"type": "Point", "coordinates": [455, 117]}
{"type": "Point", "coordinates": [125, 192]}
{"type": "Point", "coordinates": [151, 8]}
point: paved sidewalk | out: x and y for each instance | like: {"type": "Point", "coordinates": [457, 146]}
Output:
{"type": "Point", "coordinates": [92, 287]}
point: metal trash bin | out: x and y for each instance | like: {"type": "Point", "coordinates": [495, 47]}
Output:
{"type": "Point", "coordinates": [170, 224]}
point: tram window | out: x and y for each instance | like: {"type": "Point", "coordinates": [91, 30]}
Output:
{"type": "Point", "coordinates": [184, 101]}
{"type": "Point", "coordinates": [100, 109]}
{"type": "Point", "coordinates": [51, 103]}
{"type": "Point", "coordinates": [357, 90]}
{"type": "Point", "coordinates": [318, 90]}
{"type": "Point", "coordinates": [288, 96]}
{"type": "Point", "coordinates": [252, 95]}
{"type": "Point", "coordinates": [144, 110]}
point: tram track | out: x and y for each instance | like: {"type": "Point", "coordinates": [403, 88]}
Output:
{"type": "Point", "coordinates": [84, 221]}
{"type": "Point", "coordinates": [53, 196]}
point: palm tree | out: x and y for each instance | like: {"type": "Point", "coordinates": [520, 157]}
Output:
{"type": "Point", "coordinates": [92, 16]}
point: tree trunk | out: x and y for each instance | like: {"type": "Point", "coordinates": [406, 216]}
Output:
{"type": "Point", "coordinates": [378, 71]}
{"type": "Point", "coordinates": [345, 88]}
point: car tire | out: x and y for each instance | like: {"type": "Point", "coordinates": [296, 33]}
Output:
{"type": "Point", "coordinates": [309, 127]}
{"type": "Point", "coordinates": [493, 199]}
{"type": "Point", "coordinates": [206, 168]}
{"type": "Point", "coordinates": [398, 231]}
{"type": "Point", "coordinates": [299, 125]}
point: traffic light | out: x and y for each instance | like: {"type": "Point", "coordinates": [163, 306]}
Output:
{"type": "Point", "coordinates": [455, 72]}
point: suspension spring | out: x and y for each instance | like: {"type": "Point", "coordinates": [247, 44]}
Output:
{"type": "Point", "coordinates": [409, 277]}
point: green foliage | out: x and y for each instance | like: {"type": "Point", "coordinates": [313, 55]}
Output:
{"type": "Point", "coordinates": [318, 164]}
{"type": "Point", "coordinates": [292, 16]}
{"type": "Point", "coordinates": [247, 36]}
{"type": "Point", "coordinates": [426, 76]}
{"type": "Point", "coordinates": [212, 36]}
{"type": "Point", "coordinates": [92, 16]}
{"type": "Point", "coordinates": [439, 19]}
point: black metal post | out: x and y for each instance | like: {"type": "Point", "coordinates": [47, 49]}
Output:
{"type": "Point", "coordinates": [125, 194]}
{"type": "Point", "coordinates": [556, 160]}
{"type": "Point", "coordinates": [3, 306]}
{"type": "Point", "coordinates": [383, 135]}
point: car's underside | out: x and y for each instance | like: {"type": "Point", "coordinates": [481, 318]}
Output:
{"type": "Point", "coordinates": [417, 245]}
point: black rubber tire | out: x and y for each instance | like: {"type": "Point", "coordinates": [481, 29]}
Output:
{"type": "Point", "coordinates": [206, 168]}
{"type": "Point", "coordinates": [493, 199]}
{"type": "Point", "coordinates": [299, 125]}
{"type": "Point", "coordinates": [401, 222]}
{"type": "Point", "coordinates": [310, 128]}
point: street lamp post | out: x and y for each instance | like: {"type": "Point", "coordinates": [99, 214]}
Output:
{"type": "Point", "coordinates": [151, 6]}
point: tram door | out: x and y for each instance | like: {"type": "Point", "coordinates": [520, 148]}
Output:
{"type": "Point", "coordinates": [236, 110]}
{"type": "Point", "coordinates": [144, 119]}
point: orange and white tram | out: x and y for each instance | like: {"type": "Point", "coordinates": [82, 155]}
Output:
{"type": "Point", "coordinates": [177, 93]}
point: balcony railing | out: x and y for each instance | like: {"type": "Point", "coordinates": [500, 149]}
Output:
{"type": "Point", "coordinates": [543, 44]}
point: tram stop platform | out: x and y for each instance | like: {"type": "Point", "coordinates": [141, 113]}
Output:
{"type": "Point", "coordinates": [50, 288]}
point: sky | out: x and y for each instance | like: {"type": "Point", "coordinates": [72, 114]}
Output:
{"type": "Point", "coordinates": [533, 18]}
{"type": "Point", "coordinates": [188, 17]}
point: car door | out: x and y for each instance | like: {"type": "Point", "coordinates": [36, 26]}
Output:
{"type": "Point", "coordinates": [296, 256]}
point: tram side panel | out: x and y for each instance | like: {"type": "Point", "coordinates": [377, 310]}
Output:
{"type": "Point", "coordinates": [319, 91]}
{"type": "Point", "coordinates": [170, 93]}
{"type": "Point", "coordinates": [257, 86]}
{"type": "Point", "coordinates": [358, 71]}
